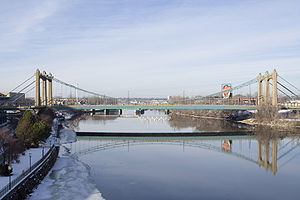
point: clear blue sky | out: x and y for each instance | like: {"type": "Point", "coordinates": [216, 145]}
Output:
{"type": "Point", "coordinates": [150, 47]}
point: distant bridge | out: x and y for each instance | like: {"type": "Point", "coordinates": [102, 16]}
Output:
{"type": "Point", "coordinates": [267, 94]}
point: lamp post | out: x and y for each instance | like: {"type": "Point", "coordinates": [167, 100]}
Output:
{"type": "Point", "coordinates": [9, 181]}
{"type": "Point", "coordinates": [43, 151]}
{"type": "Point", "coordinates": [30, 161]}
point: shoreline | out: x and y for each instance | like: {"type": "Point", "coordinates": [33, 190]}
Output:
{"type": "Point", "coordinates": [252, 121]}
{"type": "Point", "coordinates": [68, 170]}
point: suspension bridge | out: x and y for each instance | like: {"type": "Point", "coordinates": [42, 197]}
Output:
{"type": "Point", "coordinates": [269, 86]}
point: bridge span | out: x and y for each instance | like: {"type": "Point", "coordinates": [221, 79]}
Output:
{"type": "Point", "coordinates": [268, 87]}
{"type": "Point", "coordinates": [158, 107]}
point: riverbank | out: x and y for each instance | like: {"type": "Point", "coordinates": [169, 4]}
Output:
{"type": "Point", "coordinates": [30, 167]}
{"type": "Point", "coordinates": [286, 124]}
{"type": "Point", "coordinates": [69, 178]}
{"type": "Point", "coordinates": [274, 121]}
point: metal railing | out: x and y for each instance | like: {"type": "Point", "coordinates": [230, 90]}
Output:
{"type": "Point", "coordinates": [27, 173]}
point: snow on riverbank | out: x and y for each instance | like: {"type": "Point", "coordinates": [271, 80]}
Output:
{"type": "Point", "coordinates": [67, 136]}
{"type": "Point", "coordinates": [68, 179]}
{"type": "Point", "coordinates": [33, 155]}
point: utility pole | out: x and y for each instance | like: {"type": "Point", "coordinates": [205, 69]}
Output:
{"type": "Point", "coordinates": [128, 97]}
{"type": "Point", "coordinates": [76, 93]}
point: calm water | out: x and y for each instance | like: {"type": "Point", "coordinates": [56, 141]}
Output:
{"type": "Point", "coordinates": [239, 167]}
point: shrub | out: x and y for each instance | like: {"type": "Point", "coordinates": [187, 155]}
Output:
{"type": "Point", "coordinates": [10, 147]}
{"type": "Point", "coordinates": [267, 113]}
{"type": "Point", "coordinates": [32, 131]}
{"type": "Point", "coordinates": [24, 127]}
{"type": "Point", "coordinates": [40, 132]}
{"type": "Point", "coordinates": [5, 170]}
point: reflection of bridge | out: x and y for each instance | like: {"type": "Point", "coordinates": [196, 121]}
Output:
{"type": "Point", "coordinates": [161, 118]}
{"type": "Point", "coordinates": [43, 85]}
{"type": "Point", "coordinates": [247, 148]}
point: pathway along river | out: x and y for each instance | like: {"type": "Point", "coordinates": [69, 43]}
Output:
{"type": "Point", "coordinates": [230, 167]}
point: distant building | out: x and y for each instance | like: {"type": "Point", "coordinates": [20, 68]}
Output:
{"type": "Point", "coordinates": [13, 97]}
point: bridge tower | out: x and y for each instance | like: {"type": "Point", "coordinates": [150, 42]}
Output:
{"type": "Point", "coordinates": [50, 90]}
{"type": "Point", "coordinates": [44, 89]}
{"type": "Point", "coordinates": [37, 88]}
{"type": "Point", "coordinates": [46, 97]}
{"type": "Point", "coordinates": [263, 97]}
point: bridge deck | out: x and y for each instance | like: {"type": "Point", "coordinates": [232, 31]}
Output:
{"type": "Point", "coordinates": [159, 107]}
{"type": "Point", "coordinates": [148, 106]}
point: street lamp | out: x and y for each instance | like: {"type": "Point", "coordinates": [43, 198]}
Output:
{"type": "Point", "coordinates": [9, 181]}
{"type": "Point", "coordinates": [30, 161]}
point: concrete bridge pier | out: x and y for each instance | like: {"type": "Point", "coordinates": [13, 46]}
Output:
{"type": "Point", "coordinates": [50, 90]}
{"type": "Point", "coordinates": [267, 87]}
{"type": "Point", "coordinates": [112, 111]}
{"type": "Point", "coordinates": [140, 112]}
{"type": "Point", "coordinates": [37, 88]}
{"type": "Point", "coordinates": [44, 90]}
{"type": "Point", "coordinates": [274, 88]}
{"type": "Point", "coordinates": [263, 97]}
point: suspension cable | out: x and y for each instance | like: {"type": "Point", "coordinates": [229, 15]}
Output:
{"type": "Point", "coordinates": [26, 86]}
{"type": "Point", "coordinates": [23, 94]}
{"type": "Point", "coordinates": [282, 92]}
{"type": "Point", "coordinates": [289, 83]}
{"type": "Point", "coordinates": [22, 83]}
{"type": "Point", "coordinates": [287, 88]}
{"type": "Point", "coordinates": [231, 89]}
{"type": "Point", "coordinates": [83, 90]}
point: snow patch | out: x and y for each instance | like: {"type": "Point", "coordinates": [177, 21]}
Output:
{"type": "Point", "coordinates": [290, 120]}
{"type": "Point", "coordinates": [68, 179]}
{"type": "Point", "coordinates": [67, 136]}
{"type": "Point", "coordinates": [284, 111]}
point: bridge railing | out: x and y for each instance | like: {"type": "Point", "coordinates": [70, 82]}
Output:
{"type": "Point", "coordinates": [290, 105]}
{"type": "Point", "coordinates": [217, 101]}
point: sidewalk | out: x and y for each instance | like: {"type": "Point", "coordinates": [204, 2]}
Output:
{"type": "Point", "coordinates": [27, 159]}
{"type": "Point", "coordinates": [24, 164]}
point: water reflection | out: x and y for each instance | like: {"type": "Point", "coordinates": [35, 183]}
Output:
{"type": "Point", "coordinates": [200, 124]}
{"type": "Point", "coordinates": [152, 121]}
{"type": "Point", "coordinates": [192, 168]}
{"type": "Point", "coordinates": [235, 167]}
{"type": "Point", "coordinates": [263, 152]}
{"type": "Point", "coordinates": [265, 161]}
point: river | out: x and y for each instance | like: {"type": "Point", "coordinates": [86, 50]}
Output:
{"type": "Point", "coordinates": [213, 167]}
